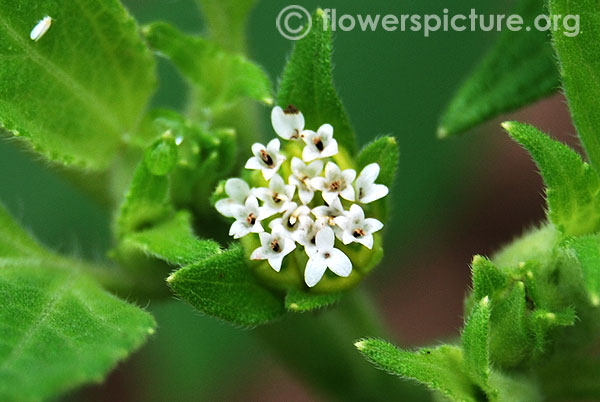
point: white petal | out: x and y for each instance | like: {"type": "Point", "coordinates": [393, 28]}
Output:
{"type": "Point", "coordinates": [256, 148]}
{"type": "Point", "coordinates": [289, 191]}
{"type": "Point", "coordinates": [252, 204]}
{"type": "Point", "coordinates": [318, 183]}
{"type": "Point", "coordinates": [348, 193]}
{"type": "Point", "coordinates": [337, 205]}
{"type": "Point", "coordinates": [339, 263]}
{"type": "Point", "coordinates": [369, 174]}
{"type": "Point", "coordinates": [349, 175]}
{"type": "Point", "coordinates": [373, 224]}
{"type": "Point", "coordinates": [254, 164]}
{"type": "Point", "coordinates": [257, 227]}
{"type": "Point", "coordinates": [275, 262]}
{"type": "Point", "coordinates": [269, 173]}
{"type": "Point", "coordinates": [366, 241]}
{"type": "Point", "coordinates": [332, 171]}
{"type": "Point", "coordinates": [305, 195]}
{"type": "Point", "coordinates": [329, 196]}
{"type": "Point", "coordinates": [258, 254]}
{"type": "Point", "coordinates": [265, 239]}
{"type": "Point", "coordinates": [315, 168]}
{"type": "Point", "coordinates": [262, 193]}
{"type": "Point", "coordinates": [373, 193]}
{"type": "Point", "coordinates": [288, 247]}
{"type": "Point", "coordinates": [307, 136]}
{"type": "Point", "coordinates": [330, 150]}
{"type": "Point", "coordinates": [315, 268]}
{"type": "Point", "coordinates": [287, 125]}
{"type": "Point", "coordinates": [347, 237]}
{"type": "Point", "coordinates": [273, 147]}
{"type": "Point", "coordinates": [276, 224]}
{"type": "Point", "coordinates": [310, 153]}
{"type": "Point", "coordinates": [297, 165]}
{"type": "Point", "coordinates": [341, 221]}
{"type": "Point", "coordinates": [276, 183]}
{"type": "Point", "coordinates": [325, 239]}
{"type": "Point", "coordinates": [227, 207]}
{"type": "Point", "coordinates": [266, 211]}
{"type": "Point", "coordinates": [238, 229]}
{"type": "Point", "coordinates": [357, 211]}
{"type": "Point", "coordinates": [237, 189]}
{"type": "Point", "coordinates": [325, 132]}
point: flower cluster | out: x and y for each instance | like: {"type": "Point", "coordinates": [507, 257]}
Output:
{"type": "Point", "coordinates": [294, 212]}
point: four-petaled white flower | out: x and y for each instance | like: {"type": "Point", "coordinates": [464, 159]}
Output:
{"type": "Point", "coordinates": [238, 191]}
{"type": "Point", "coordinates": [356, 228]}
{"type": "Point", "coordinates": [366, 189]}
{"type": "Point", "coordinates": [290, 214]}
{"type": "Point", "coordinates": [275, 246]}
{"type": "Point", "coordinates": [320, 144]}
{"type": "Point", "coordinates": [326, 215]}
{"type": "Point", "coordinates": [335, 183]}
{"type": "Point", "coordinates": [301, 177]}
{"type": "Point", "coordinates": [275, 198]}
{"type": "Point", "coordinates": [288, 123]}
{"type": "Point", "coordinates": [268, 159]}
{"type": "Point", "coordinates": [324, 255]}
{"type": "Point", "coordinates": [290, 221]}
{"type": "Point", "coordinates": [247, 219]}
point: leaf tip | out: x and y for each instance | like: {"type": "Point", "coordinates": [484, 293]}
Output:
{"type": "Point", "coordinates": [508, 125]}
{"type": "Point", "coordinates": [293, 307]}
{"type": "Point", "coordinates": [268, 101]}
{"type": "Point", "coordinates": [171, 278]}
{"type": "Point", "coordinates": [477, 260]}
{"type": "Point", "coordinates": [595, 299]}
{"type": "Point", "coordinates": [360, 345]}
{"type": "Point", "coordinates": [442, 132]}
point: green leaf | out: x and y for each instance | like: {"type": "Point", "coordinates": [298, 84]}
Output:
{"type": "Point", "coordinates": [580, 69]}
{"type": "Point", "coordinates": [587, 250]}
{"type": "Point", "coordinates": [148, 198]}
{"type": "Point", "coordinates": [59, 328]}
{"type": "Point", "coordinates": [509, 333]}
{"type": "Point", "coordinates": [487, 278]}
{"type": "Point", "coordinates": [226, 21]}
{"type": "Point", "coordinates": [220, 77]}
{"type": "Point", "coordinates": [475, 338]}
{"type": "Point", "coordinates": [307, 83]}
{"type": "Point", "coordinates": [519, 69]}
{"type": "Point", "coordinates": [172, 241]}
{"type": "Point", "coordinates": [439, 368]}
{"type": "Point", "coordinates": [572, 185]}
{"type": "Point", "coordinates": [384, 151]}
{"type": "Point", "coordinates": [299, 301]}
{"type": "Point", "coordinates": [81, 87]}
{"type": "Point", "coordinates": [223, 286]}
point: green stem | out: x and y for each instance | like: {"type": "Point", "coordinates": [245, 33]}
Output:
{"type": "Point", "coordinates": [320, 349]}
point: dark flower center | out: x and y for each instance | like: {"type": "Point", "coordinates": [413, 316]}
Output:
{"type": "Point", "coordinates": [266, 158]}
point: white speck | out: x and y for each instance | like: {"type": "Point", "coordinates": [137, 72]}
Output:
{"type": "Point", "coordinates": [40, 29]}
{"type": "Point", "coordinates": [178, 140]}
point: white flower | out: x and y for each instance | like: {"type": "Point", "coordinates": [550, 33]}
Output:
{"type": "Point", "coordinates": [324, 256]}
{"type": "Point", "coordinates": [290, 221]}
{"type": "Point", "coordinates": [320, 144]}
{"type": "Point", "coordinates": [326, 215]}
{"type": "Point", "coordinates": [238, 191]}
{"type": "Point", "coordinates": [268, 159]}
{"type": "Point", "coordinates": [276, 197]}
{"type": "Point", "coordinates": [307, 232]}
{"type": "Point", "coordinates": [356, 228]}
{"type": "Point", "coordinates": [335, 183]}
{"type": "Point", "coordinates": [275, 246]}
{"type": "Point", "coordinates": [366, 189]}
{"type": "Point", "coordinates": [247, 219]}
{"type": "Point", "coordinates": [288, 123]}
{"type": "Point", "coordinates": [301, 177]}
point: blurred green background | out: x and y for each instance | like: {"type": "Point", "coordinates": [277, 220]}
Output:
{"type": "Point", "coordinates": [451, 199]}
